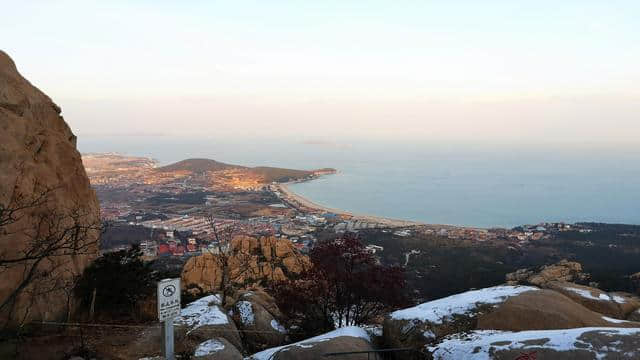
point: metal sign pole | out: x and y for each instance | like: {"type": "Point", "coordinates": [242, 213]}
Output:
{"type": "Point", "coordinates": [167, 338]}
{"type": "Point", "coordinates": [168, 308]}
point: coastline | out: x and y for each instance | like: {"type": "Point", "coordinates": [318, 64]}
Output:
{"type": "Point", "coordinates": [302, 203]}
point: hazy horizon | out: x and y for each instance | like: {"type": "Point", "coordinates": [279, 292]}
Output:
{"type": "Point", "coordinates": [494, 71]}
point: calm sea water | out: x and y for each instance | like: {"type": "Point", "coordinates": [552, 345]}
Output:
{"type": "Point", "coordinates": [460, 184]}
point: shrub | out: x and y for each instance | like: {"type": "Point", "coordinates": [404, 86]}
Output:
{"type": "Point", "coordinates": [120, 279]}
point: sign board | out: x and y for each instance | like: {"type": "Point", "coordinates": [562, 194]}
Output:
{"type": "Point", "coordinates": [168, 299]}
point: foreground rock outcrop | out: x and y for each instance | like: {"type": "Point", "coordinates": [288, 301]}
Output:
{"type": "Point", "coordinates": [252, 322]}
{"type": "Point", "coordinates": [616, 305]}
{"type": "Point", "coordinates": [500, 308]}
{"type": "Point", "coordinates": [251, 260]}
{"type": "Point", "coordinates": [567, 278]}
{"type": "Point", "coordinates": [260, 328]}
{"type": "Point", "coordinates": [570, 344]}
{"type": "Point", "coordinates": [204, 319]}
{"type": "Point", "coordinates": [347, 339]}
{"type": "Point", "coordinates": [41, 171]}
{"type": "Point", "coordinates": [544, 310]}
{"type": "Point", "coordinates": [421, 325]}
{"type": "Point", "coordinates": [216, 349]}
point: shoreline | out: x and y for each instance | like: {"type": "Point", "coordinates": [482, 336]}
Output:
{"type": "Point", "coordinates": [298, 201]}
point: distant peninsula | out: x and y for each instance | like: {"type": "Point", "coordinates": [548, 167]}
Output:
{"type": "Point", "coordinates": [208, 173]}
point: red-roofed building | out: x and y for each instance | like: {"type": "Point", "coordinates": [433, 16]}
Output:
{"type": "Point", "coordinates": [163, 249]}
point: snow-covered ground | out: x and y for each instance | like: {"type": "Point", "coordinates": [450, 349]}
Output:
{"type": "Point", "coordinates": [460, 304]}
{"type": "Point", "coordinates": [601, 297]}
{"type": "Point", "coordinates": [352, 331]}
{"type": "Point", "coordinates": [476, 345]}
{"type": "Point", "coordinates": [204, 311]}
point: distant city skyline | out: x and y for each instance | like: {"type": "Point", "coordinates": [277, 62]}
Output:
{"type": "Point", "coordinates": [504, 71]}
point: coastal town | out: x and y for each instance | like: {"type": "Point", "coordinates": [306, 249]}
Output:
{"type": "Point", "coordinates": [173, 213]}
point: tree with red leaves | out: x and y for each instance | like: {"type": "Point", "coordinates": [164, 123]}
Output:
{"type": "Point", "coordinates": [346, 286]}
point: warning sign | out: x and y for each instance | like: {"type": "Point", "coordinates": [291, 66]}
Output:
{"type": "Point", "coordinates": [168, 299]}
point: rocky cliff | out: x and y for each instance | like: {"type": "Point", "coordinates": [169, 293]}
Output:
{"type": "Point", "coordinates": [49, 215]}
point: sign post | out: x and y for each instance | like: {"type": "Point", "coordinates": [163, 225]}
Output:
{"type": "Point", "coordinates": [168, 308]}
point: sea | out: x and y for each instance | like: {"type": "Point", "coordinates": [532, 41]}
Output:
{"type": "Point", "coordinates": [455, 183]}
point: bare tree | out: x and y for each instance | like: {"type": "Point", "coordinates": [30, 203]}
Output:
{"type": "Point", "coordinates": [236, 265]}
{"type": "Point", "coordinates": [49, 238]}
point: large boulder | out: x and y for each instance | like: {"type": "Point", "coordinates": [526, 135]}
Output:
{"type": "Point", "coordinates": [42, 172]}
{"type": "Point", "coordinates": [251, 261]}
{"type": "Point", "coordinates": [203, 271]}
{"type": "Point", "coordinates": [564, 270]}
{"type": "Point", "coordinates": [284, 248]}
{"type": "Point", "coordinates": [571, 344]}
{"type": "Point", "coordinates": [423, 324]}
{"type": "Point", "coordinates": [616, 305]}
{"type": "Point", "coordinates": [259, 328]}
{"type": "Point", "coordinates": [216, 349]}
{"type": "Point", "coordinates": [346, 339]}
{"type": "Point", "coordinates": [259, 296]}
{"type": "Point", "coordinates": [544, 310]}
{"type": "Point", "coordinates": [199, 322]}
{"type": "Point", "coordinates": [148, 345]}
{"type": "Point", "coordinates": [204, 319]}
{"type": "Point", "coordinates": [244, 244]}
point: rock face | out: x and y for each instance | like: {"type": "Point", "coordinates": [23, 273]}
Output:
{"type": "Point", "coordinates": [38, 157]}
{"type": "Point", "coordinates": [564, 270]}
{"type": "Point", "coordinates": [251, 260]}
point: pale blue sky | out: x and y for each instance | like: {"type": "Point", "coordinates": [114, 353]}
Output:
{"type": "Point", "coordinates": [488, 70]}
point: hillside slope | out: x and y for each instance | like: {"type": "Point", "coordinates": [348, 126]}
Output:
{"type": "Point", "coordinates": [197, 166]}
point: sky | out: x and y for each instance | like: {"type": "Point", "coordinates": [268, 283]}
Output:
{"type": "Point", "coordinates": [492, 71]}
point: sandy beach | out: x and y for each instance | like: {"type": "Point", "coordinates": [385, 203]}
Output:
{"type": "Point", "coordinates": [300, 201]}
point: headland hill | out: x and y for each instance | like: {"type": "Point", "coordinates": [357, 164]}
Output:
{"type": "Point", "coordinates": [168, 209]}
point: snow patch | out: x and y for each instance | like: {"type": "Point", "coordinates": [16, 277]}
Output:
{"type": "Point", "coordinates": [601, 297]}
{"type": "Point", "coordinates": [619, 299]}
{"type": "Point", "coordinates": [246, 312]}
{"type": "Point", "coordinates": [429, 334]}
{"type": "Point", "coordinates": [276, 326]}
{"type": "Point", "coordinates": [460, 304]}
{"type": "Point", "coordinates": [477, 344]}
{"type": "Point", "coordinates": [204, 311]}
{"type": "Point", "coordinates": [373, 330]}
{"type": "Point", "coordinates": [352, 331]}
{"type": "Point", "coordinates": [209, 347]}
{"type": "Point", "coordinates": [615, 321]}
